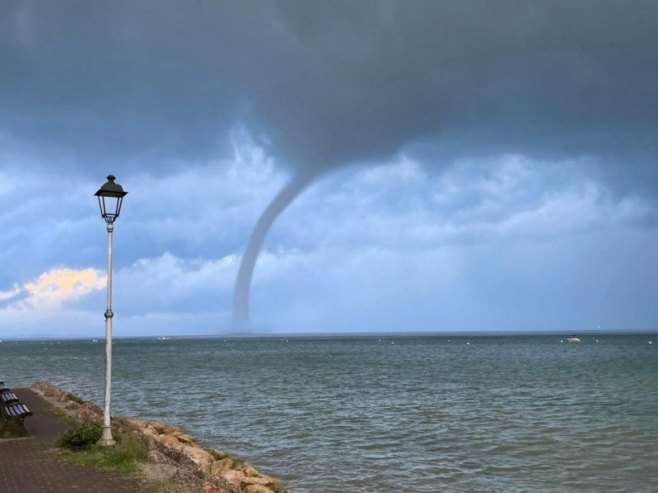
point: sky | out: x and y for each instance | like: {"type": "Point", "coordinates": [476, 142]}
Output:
{"type": "Point", "coordinates": [388, 166]}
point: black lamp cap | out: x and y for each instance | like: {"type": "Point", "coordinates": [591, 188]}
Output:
{"type": "Point", "coordinates": [110, 189]}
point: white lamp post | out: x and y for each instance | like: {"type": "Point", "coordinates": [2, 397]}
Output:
{"type": "Point", "coordinates": [110, 197]}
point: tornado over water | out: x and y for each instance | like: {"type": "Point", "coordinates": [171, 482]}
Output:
{"type": "Point", "coordinates": [241, 291]}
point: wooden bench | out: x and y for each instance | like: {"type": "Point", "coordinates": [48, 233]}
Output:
{"type": "Point", "coordinates": [12, 414]}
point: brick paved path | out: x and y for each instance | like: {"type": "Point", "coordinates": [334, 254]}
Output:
{"type": "Point", "coordinates": [28, 465]}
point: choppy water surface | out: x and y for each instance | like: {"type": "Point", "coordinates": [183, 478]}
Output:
{"type": "Point", "coordinates": [392, 414]}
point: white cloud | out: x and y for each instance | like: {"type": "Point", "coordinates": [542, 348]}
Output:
{"type": "Point", "coordinates": [43, 307]}
{"type": "Point", "coordinates": [57, 287]}
{"type": "Point", "coordinates": [511, 196]}
{"type": "Point", "coordinates": [171, 283]}
{"type": "Point", "coordinates": [12, 293]}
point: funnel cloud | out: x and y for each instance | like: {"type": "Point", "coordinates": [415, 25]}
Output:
{"type": "Point", "coordinates": [241, 317]}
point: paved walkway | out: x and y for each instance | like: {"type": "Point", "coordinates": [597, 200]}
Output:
{"type": "Point", "coordinates": [29, 465]}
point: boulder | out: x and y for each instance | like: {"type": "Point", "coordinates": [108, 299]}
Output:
{"type": "Point", "coordinates": [258, 488]}
{"type": "Point", "coordinates": [163, 428]}
{"type": "Point", "coordinates": [210, 488]}
{"type": "Point", "coordinates": [217, 454]}
{"type": "Point", "coordinates": [236, 478]}
{"type": "Point", "coordinates": [183, 437]}
{"type": "Point", "coordinates": [220, 466]}
{"type": "Point", "coordinates": [260, 479]}
{"type": "Point", "coordinates": [169, 441]}
{"type": "Point", "coordinates": [200, 457]}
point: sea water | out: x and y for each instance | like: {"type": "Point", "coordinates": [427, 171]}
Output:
{"type": "Point", "coordinates": [388, 414]}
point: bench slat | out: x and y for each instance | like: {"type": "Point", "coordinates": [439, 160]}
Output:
{"type": "Point", "coordinates": [17, 410]}
{"type": "Point", "coordinates": [7, 396]}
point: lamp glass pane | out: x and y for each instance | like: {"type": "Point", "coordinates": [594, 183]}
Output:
{"type": "Point", "coordinates": [110, 206]}
{"type": "Point", "coordinates": [101, 205]}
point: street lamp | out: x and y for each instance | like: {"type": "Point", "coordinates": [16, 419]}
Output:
{"type": "Point", "coordinates": [110, 197]}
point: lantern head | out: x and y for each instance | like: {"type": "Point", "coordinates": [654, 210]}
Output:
{"type": "Point", "coordinates": [110, 197]}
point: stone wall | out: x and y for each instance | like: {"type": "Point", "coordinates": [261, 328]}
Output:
{"type": "Point", "coordinates": [219, 472]}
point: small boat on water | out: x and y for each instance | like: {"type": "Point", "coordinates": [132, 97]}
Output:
{"type": "Point", "coordinates": [573, 339]}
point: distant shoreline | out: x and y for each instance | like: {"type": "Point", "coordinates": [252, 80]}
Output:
{"type": "Point", "coordinates": [355, 335]}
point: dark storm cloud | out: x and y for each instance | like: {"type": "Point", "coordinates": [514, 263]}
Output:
{"type": "Point", "coordinates": [329, 83]}
{"type": "Point", "coordinates": [543, 78]}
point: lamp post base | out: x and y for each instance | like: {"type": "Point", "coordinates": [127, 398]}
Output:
{"type": "Point", "coordinates": [106, 438]}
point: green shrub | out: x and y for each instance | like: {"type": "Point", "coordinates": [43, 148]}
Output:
{"type": "Point", "coordinates": [83, 436]}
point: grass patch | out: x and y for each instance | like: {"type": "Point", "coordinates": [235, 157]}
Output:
{"type": "Point", "coordinates": [125, 456]}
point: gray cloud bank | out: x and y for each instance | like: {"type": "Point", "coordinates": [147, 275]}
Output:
{"type": "Point", "coordinates": [328, 83]}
